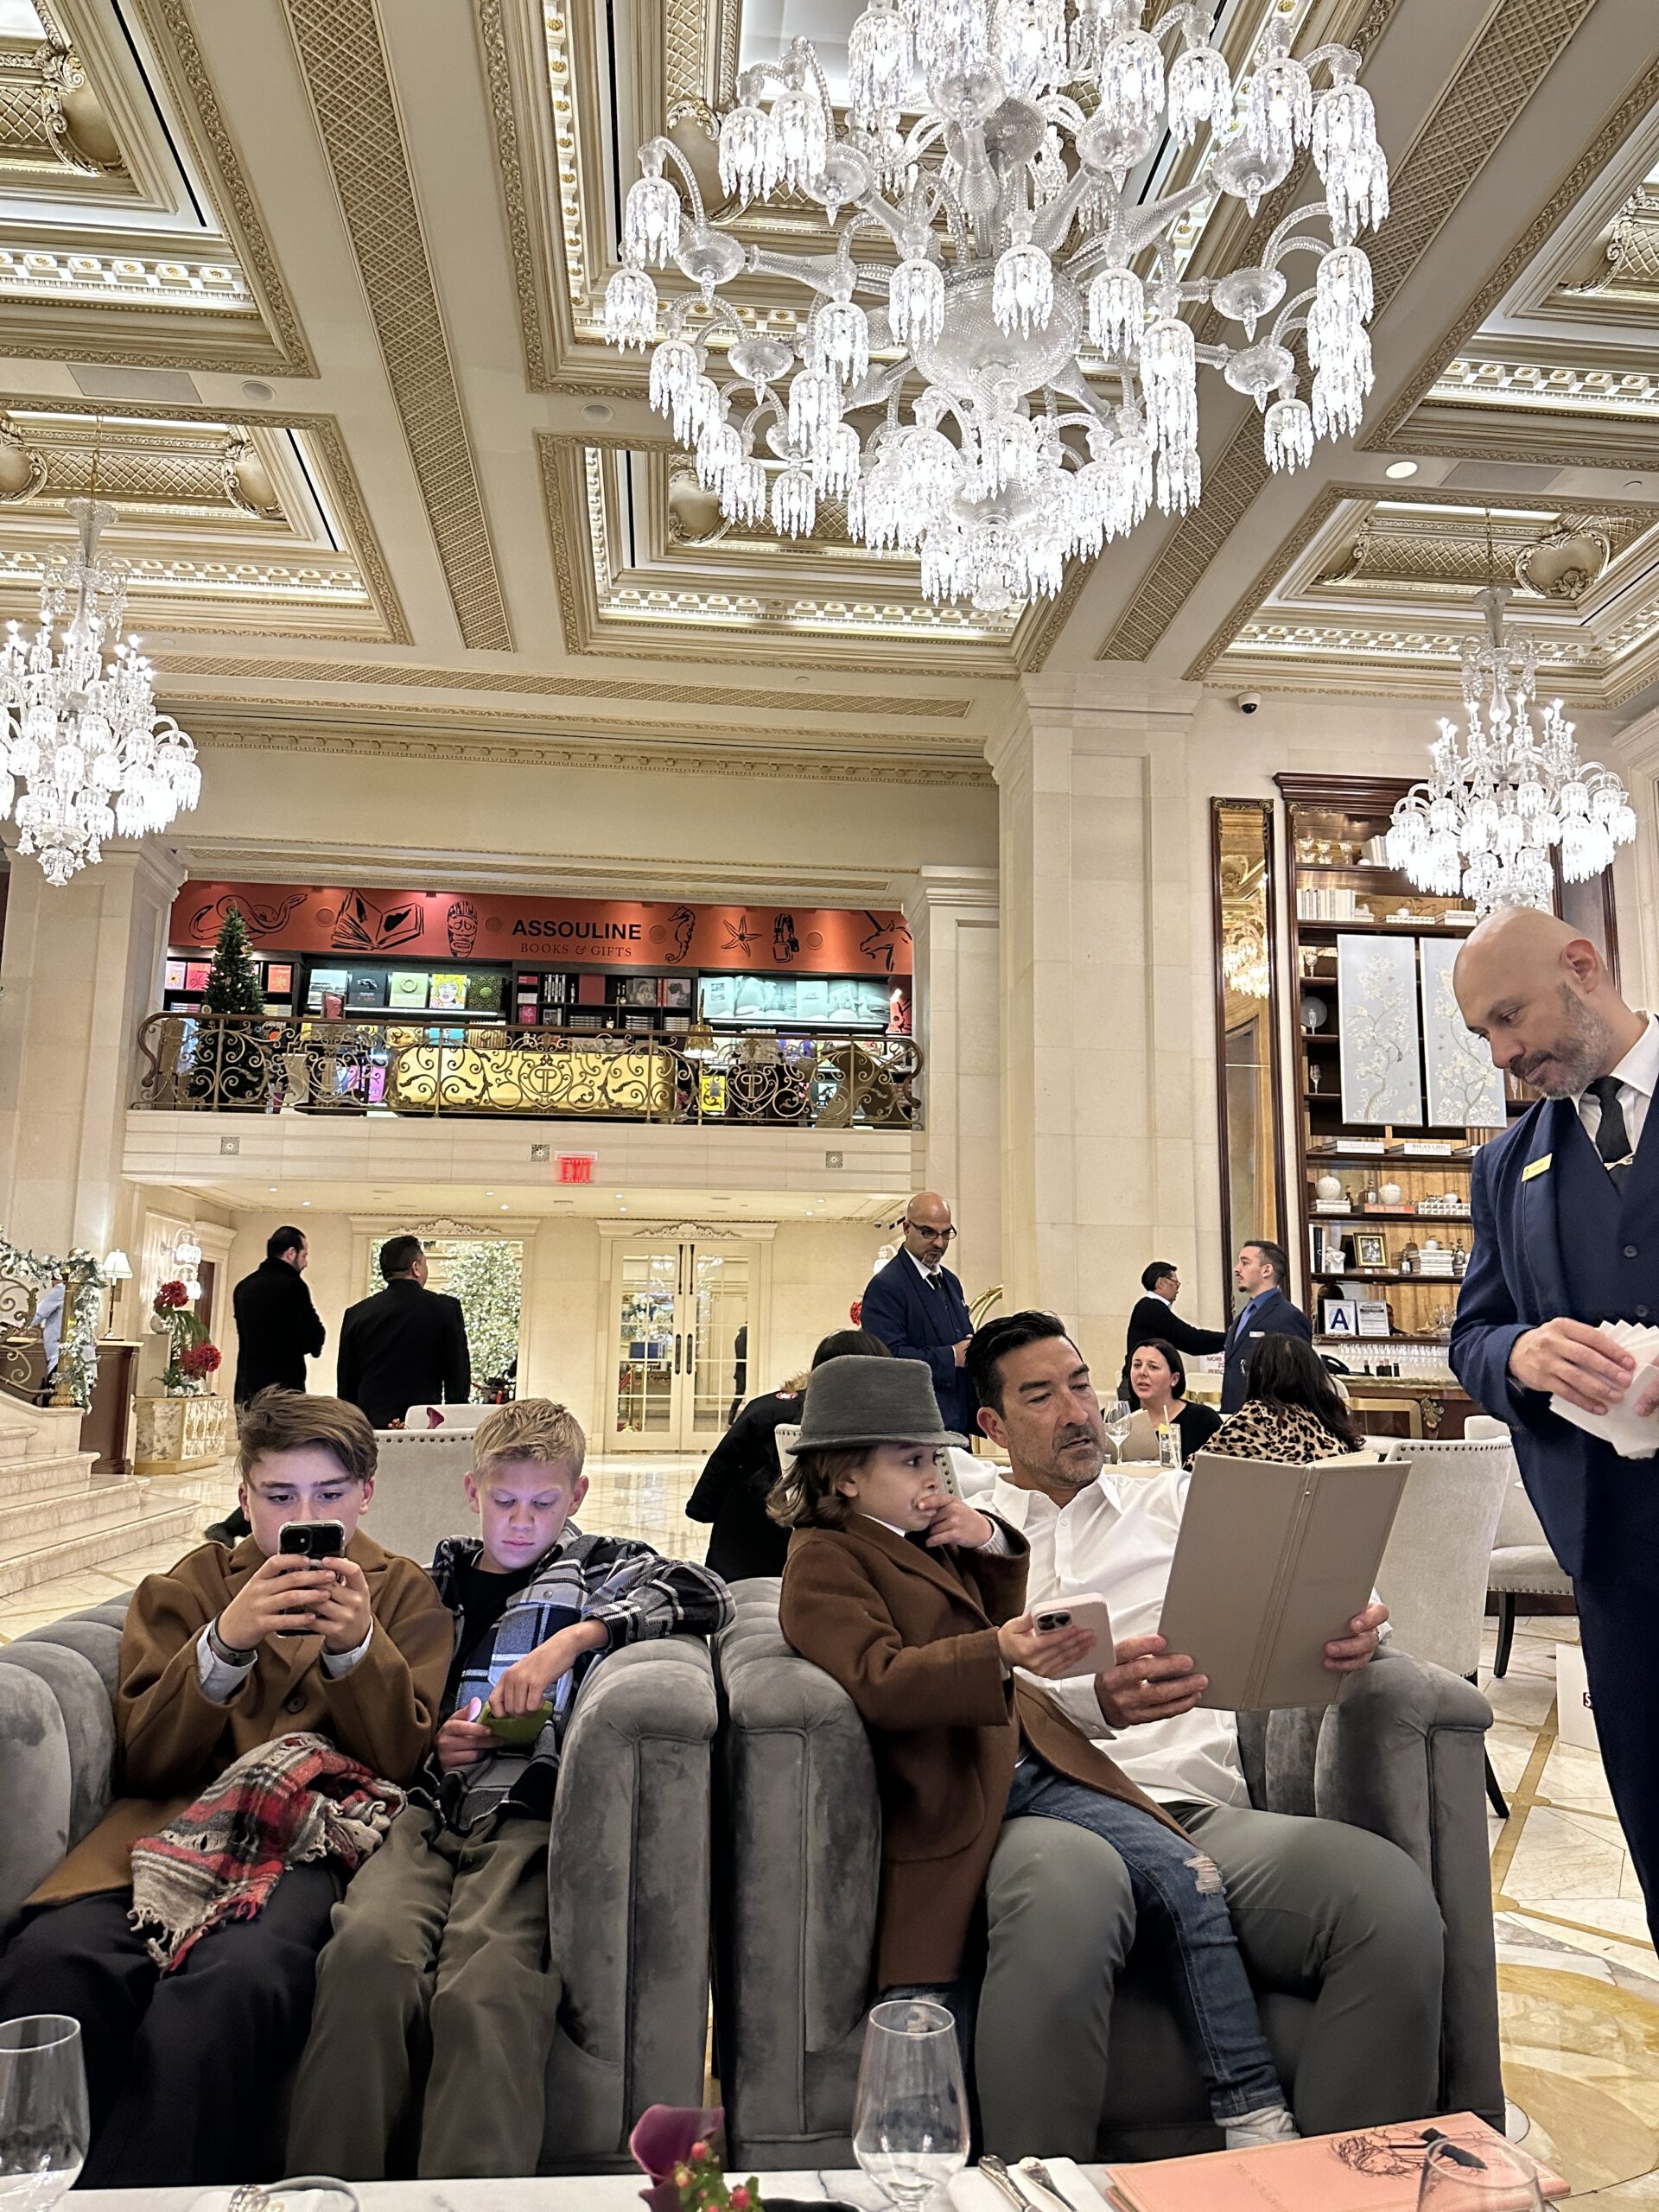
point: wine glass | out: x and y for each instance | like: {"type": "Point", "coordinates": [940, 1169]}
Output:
{"type": "Point", "coordinates": [1117, 1425]}
{"type": "Point", "coordinates": [910, 2123]}
{"type": "Point", "coordinates": [1492, 2178]}
{"type": "Point", "coordinates": [43, 2123]}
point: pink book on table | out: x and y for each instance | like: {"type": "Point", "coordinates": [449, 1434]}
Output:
{"type": "Point", "coordinates": [1372, 2170]}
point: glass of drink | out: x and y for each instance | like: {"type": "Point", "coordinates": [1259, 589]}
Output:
{"type": "Point", "coordinates": [909, 2122]}
{"type": "Point", "coordinates": [1496, 2177]}
{"type": "Point", "coordinates": [43, 2123]}
{"type": "Point", "coordinates": [1118, 1424]}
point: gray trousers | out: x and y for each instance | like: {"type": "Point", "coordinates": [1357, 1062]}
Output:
{"type": "Point", "coordinates": [1321, 1909]}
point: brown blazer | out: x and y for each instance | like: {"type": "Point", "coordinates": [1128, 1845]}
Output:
{"type": "Point", "coordinates": [171, 1740]}
{"type": "Point", "coordinates": [911, 1637]}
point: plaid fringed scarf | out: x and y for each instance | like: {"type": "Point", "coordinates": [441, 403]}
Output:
{"type": "Point", "coordinates": [292, 1800]}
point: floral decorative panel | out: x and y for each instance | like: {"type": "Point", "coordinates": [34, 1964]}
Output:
{"type": "Point", "coordinates": [1463, 1085]}
{"type": "Point", "coordinates": [1382, 1066]}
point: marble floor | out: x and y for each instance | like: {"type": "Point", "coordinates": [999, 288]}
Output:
{"type": "Point", "coordinates": [1577, 1979]}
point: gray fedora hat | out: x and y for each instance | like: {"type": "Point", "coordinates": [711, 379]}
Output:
{"type": "Point", "coordinates": [860, 1400]}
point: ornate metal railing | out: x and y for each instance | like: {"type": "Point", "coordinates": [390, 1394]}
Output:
{"type": "Point", "coordinates": [215, 1062]}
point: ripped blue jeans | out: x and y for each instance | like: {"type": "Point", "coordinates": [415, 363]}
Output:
{"type": "Point", "coordinates": [1181, 1906]}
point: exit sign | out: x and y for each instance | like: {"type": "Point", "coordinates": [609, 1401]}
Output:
{"type": "Point", "coordinates": [576, 1167]}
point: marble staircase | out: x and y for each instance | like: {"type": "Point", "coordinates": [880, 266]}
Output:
{"type": "Point", "coordinates": [57, 1517]}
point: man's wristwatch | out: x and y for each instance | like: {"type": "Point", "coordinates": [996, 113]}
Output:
{"type": "Point", "coordinates": [228, 1653]}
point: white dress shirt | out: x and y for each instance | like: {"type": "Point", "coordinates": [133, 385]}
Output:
{"type": "Point", "coordinates": [220, 1680]}
{"type": "Point", "coordinates": [1117, 1539]}
{"type": "Point", "coordinates": [1637, 1077]}
{"type": "Point", "coordinates": [933, 1277]}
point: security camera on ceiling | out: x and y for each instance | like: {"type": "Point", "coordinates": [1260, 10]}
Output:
{"type": "Point", "coordinates": [1247, 702]}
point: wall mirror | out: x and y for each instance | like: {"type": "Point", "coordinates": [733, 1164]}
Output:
{"type": "Point", "coordinates": [1252, 1158]}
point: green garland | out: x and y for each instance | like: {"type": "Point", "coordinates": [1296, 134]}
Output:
{"type": "Point", "coordinates": [81, 1275]}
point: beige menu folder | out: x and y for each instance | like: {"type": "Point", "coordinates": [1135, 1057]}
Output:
{"type": "Point", "coordinates": [1272, 1564]}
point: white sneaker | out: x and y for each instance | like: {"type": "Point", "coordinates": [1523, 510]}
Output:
{"type": "Point", "coordinates": [1252, 2130]}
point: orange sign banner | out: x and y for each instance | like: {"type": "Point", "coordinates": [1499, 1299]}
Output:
{"type": "Point", "coordinates": [501, 928]}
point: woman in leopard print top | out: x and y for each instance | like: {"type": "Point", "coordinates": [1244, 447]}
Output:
{"type": "Point", "coordinates": [1291, 1410]}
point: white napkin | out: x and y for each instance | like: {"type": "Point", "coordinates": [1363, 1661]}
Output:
{"type": "Point", "coordinates": [1632, 1438]}
{"type": "Point", "coordinates": [970, 2191]}
{"type": "Point", "coordinates": [285, 2198]}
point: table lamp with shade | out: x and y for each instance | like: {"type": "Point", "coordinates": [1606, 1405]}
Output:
{"type": "Point", "coordinates": [118, 1269]}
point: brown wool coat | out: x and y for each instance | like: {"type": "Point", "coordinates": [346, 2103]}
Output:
{"type": "Point", "coordinates": [911, 1637]}
{"type": "Point", "coordinates": [171, 1740]}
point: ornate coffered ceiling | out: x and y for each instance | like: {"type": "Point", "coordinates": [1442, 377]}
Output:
{"type": "Point", "coordinates": [314, 286]}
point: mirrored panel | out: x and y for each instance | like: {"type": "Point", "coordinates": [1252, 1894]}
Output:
{"type": "Point", "coordinates": [1252, 1169]}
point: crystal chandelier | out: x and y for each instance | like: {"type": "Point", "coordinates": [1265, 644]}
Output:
{"type": "Point", "coordinates": [82, 751]}
{"type": "Point", "coordinates": [1503, 791]}
{"type": "Point", "coordinates": [997, 238]}
{"type": "Point", "coordinates": [1244, 955]}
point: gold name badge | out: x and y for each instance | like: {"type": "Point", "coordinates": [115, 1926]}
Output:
{"type": "Point", "coordinates": [1536, 1168]}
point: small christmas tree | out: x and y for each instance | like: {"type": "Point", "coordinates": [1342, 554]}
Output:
{"type": "Point", "coordinates": [232, 1065]}
{"type": "Point", "coordinates": [232, 982]}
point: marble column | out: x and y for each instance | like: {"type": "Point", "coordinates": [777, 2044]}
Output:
{"type": "Point", "coordinates": [954, 933]}
{"type": "Point", "coordinates": [1101, 983]}
{"type": "Point", "coordinates": [80, 969]}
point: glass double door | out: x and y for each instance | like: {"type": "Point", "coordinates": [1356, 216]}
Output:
{"type": "Point", "coordinates": [679, 1337]}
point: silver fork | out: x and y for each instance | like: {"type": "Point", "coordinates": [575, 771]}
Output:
{"type": "Point", "coordinates": [998, 2175]}
{"type": "Point", "coordinates": [1039, 2173]}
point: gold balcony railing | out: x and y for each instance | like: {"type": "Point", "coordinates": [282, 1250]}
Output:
{"type": "Point", "coordinates": [254, 1064]}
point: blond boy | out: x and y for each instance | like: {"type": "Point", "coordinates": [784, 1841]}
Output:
{"type": "Point", "coordinates": [439, 1967]}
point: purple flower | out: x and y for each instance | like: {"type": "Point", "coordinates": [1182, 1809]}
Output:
{"type": "Point", "coordinates": [663, 2140]}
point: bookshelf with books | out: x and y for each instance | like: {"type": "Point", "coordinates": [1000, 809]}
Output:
{"type": "Point", "coordinates": [1383, 1204]}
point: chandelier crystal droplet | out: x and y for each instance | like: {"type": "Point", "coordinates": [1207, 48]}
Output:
{"type": "Point", "coordinates": [84, 756]}
{"type": "Point", "coordinates": [1016, 381]}
{"type": "Point", "coordinates": [1505, 791]}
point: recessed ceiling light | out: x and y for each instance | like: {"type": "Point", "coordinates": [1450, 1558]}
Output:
{"type": "Point", "coordinates": [1400, 469]}
{"type": "Point", "coordinates": [1636, 484]}
{"type": "Point", "coordinates": [504, 1205]}
{"type": "Point", "coordinates": [272, 1189]}
{"type": "Point", "coordinates": [305, 1202]}
{"type": "Point", "coordinates": [596, 411]}
{"type": "Point", "coordinates": [254, 390]}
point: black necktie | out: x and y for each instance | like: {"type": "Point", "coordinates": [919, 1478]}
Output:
{"type": "Point", "coordinates": [936, 1282]}
{"type": "Point", "coordinates": [1612, 1138]}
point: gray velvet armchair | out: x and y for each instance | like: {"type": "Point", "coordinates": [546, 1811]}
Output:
{"type": "Point", "coordinates": [628, 1868]}
{"type": "Point", "coordinates": [797, 1840]}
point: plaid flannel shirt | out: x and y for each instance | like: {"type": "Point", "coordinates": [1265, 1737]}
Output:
{"type": "Point", "coordinates": [636, 1594]}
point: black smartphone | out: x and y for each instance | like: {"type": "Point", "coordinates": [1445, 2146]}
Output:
{"type": "Point", "coordinates": [313, 1539]}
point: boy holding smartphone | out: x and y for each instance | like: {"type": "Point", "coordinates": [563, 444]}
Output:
{"type": "Point", "coordinates": [440, 1950]}
{"type": "Point", "coordinates": [222, 1654]}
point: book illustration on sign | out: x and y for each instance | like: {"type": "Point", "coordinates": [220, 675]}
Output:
{"type": "Point", "coordinates": [262, 915]}
{"type": "Point", "coordinates": [784, 943]}
{"type": "Point", "coordinates": [683, 922]}
{"type": "Point", "coordinates": [740, 937]}
{"type": "Point", "coordinates": [884, 939]}
{"type": "Point", "coordinates": [462, 926]}
{"type": "Point", "coordinates": [361, 926]}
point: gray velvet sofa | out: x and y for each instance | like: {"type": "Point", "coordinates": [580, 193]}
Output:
{"type": "Point", "coordinates": [796, 1841]}
{"type": "Point", "coordinates": [628, 1869]}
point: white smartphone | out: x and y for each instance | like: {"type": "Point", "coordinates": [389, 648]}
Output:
{"type": "Point", "coordinates": [1089, 1610]}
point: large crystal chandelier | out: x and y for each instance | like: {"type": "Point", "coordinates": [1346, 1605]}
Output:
{"type": "Point", "coordinates": [995, 239]}
{"type": "Point", "coordinates": [82, 751]}
{"type": "Point", "coordinates": [1504, 791]}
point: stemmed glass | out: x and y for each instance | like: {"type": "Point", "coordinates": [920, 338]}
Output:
{"type": "Point", "coordinates": [1117, 1425]}
{"type": "Point", "coordinates": [43, 2122]}
{"type": "Point", "coordinates": [910, 2123]}
{"type": "Point", "coordinates": [1457, 2177]}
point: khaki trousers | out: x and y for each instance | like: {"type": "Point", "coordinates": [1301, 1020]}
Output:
{"type": "Point", "coordinates": [434, 2010]}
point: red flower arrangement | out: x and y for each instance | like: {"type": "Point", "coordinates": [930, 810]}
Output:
{"type": "Point", "coordinates": [170, 1296]}
{"type": "Point", "coordinates": [200, 1361]}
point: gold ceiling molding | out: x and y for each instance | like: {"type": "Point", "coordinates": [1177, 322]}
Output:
{"type": "Point", "coordinates": [1547, 438]}
{"type": "Point", "coordinates": [344, 65]}
{"type": "Point", "coordinates": [874, 747]}
{"type": "Point", "coordinates": [207, 470]}
{"type": "Point", "coordinates": [1636, 105]}
{"type": "Point", "coordinates": [1629, 268]}
{"type": "Point", "coordinates": [1519, 45]}
{"type": "Point", "coordinates": [690, 760]}
{"type": "Point", "coordinates": [51, 118]}
{"type": "Point", "coordinates": [498, 83]}
{"type": "Point", "coordinates": [570, 687]}
{"type": "Point", "coordinates": [566, 492]}
{"type": "Point", "coordinates": [322, 431]}
{"type": "Point", "coordinates": [173, 40]}
{"type": "Point", "coordinates": [1638, 515]}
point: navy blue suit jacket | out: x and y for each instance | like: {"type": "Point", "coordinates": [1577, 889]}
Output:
{"type": "Point", "coordinates": [917, 1323]}
{"type": "Point", "coordinates": [1516, 1281]}
{"type": "Point", "coordinates": [1275, 1317]}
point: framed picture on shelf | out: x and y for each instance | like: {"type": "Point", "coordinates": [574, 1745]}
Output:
{"type": "Point", "coordinates": [676, 993]}
{"type": "Point", "coordinates": [1339, 1317]}
{"type": "Point", "coordinates": [1370, 1250]}
{"type": "Point", "coordinates": [195, 977]}
{"type": "Point", "coordinates": [1374, 1318]}
{"type": "Point", "coordinates": [279, 979]}
{"type": "Point", "coordinates": [639, 990]}
{"type": "Point", "coordinates": [173, 976]}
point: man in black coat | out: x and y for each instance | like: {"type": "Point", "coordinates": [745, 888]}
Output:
{"type": "Point", "coordinates": [407, 1345]}
{"type": "Point", "coordinates": [1154, 1319]}
{"type": "Point", "coordinates": [277, 1327]}
{"type": "Point", "coordinates": [1260, 1272]}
